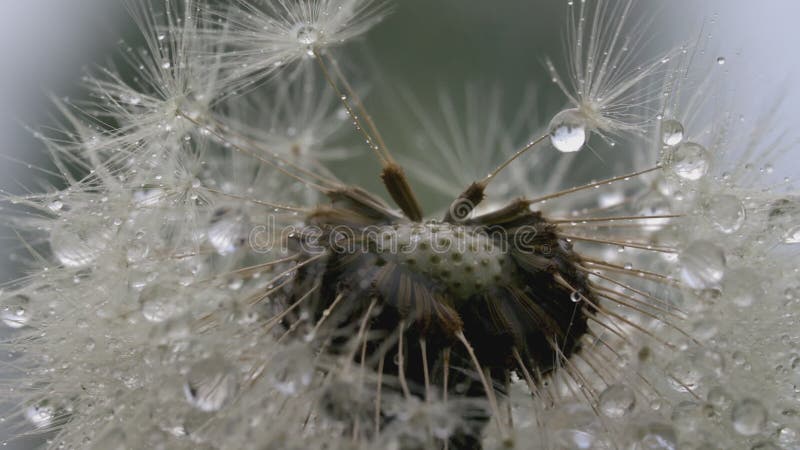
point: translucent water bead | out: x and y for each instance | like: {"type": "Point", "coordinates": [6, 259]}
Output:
{"type": "Point", "coordinates": [689, 161]}
{"type": "Point", "coordinates": [227, 230]}
{"type": "Point", "coordinates": [742, 287]}
{"type": "Point", "coordinates": [77, 243]}
{"type": "Point", "coordinates": [655, 435]}
{"type": "Point", "coordinates": [617, 401]}
{"type": "Point", "coordinates": [14, 311]}
{"type": "Point", "coordinates": [702, 265]}
{"type": "Point", "coordinates": [210, 384]}
{"type": "Point", "coordinates": [726, 212]}
{"type": "Point", "coordinates": [160, 302]}
{"type": "Point", "coordinates": [306, 34]}
{"type": "Point", "coordinates": [749, 417]}
{"type": "Point", "coordinates": [41, 415]}
{"type": "Point", "coordinates": [569, 131]}
{"type": "Point", "coordinates": [671, 132]}
{"type": "Point", "coordinates": [783, 217]}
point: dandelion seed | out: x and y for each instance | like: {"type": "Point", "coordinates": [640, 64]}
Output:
{"type": "Point", "coordinates": [265, 36]}
{"type": "Point", "coordinates": [605, 80]}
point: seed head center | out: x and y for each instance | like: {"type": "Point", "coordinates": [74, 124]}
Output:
{"type": "Point", "coordinates": [462, 259]}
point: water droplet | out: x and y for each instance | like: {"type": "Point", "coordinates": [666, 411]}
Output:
{"type": "Point", "coordinates": [749, 417]}
{"type": "Point", "coordinates": [210, 384]}
{"type": "Point", "coordinates": [671, 132]}
{"type": "Point", "coordinates": [702, 265]}
{"type": "Point", "coordinates": [78, 243]}
{"type": "Point", "coordinates": [742, 287]}
{"type": "Point", "coordinates": [569, 131]}
{"type": "Point", "coordinates": [612, 198]}
{"type": "Point", "coordinates": [291, 370]}
{"type": "Point", "coordinates": [617, 401]}
{"type": "Point", "coordinates": [55, 205]}
{"type": "Point", "coordinates": [656, 436]}
{"type": "Point", "coordinates": [683, 374]}
{"type": "Point", "coordinates": [719, 397]}
{"type": "Point", "coordinates": [227, 231]}
{"type": "Point", "coordinates": [307, 34]}
{"type": "Point", "coordinates": [14, 311]}
{"type": "Point", "coordinates": [792, 236]}
{"type": "Point", "coordinates": [689, 161]}
{"type": "Point", "coordinates": [235, 283]}
{"type": "Point", "coordinates": [575, 426]}
{"type": "Point", "coordinates": [705, 329]}
{"type": "Point", "coordinates": [148, 198]}
{"type": "Point", "coordinates": [137, 251]}
{"type": "Point", "coordinates": [41, 415]}
{"type": "Point", "coordinates": [159, 302]}
{"type": "Point", "coordinates": [784, 219]}
{"type": "Point", "coordinates": [727, 213]}
{"type": "Point", "coordinates": [721, 60]}
{"type": "Point", "coordinates": [788, 436]}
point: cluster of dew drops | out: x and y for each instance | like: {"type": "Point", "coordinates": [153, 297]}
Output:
{"type": "Point", "coordinates": [702, 265]}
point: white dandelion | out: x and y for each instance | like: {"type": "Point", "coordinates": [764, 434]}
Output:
{"type": "Point", "coordinates": [205, 279]}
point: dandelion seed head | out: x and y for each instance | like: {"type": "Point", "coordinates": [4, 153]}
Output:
{"type": "Point", "coordinates": [264, 36]}
{"type": "Point", "coordinates": [610, 87]}
{"type": "Point", "coordinates": [182, 294]}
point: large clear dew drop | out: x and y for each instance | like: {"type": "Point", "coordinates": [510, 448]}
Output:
{"type": "Point", "coordinates": [617, 401]}
{"type": "Point", "coordinates": [307, 34]}
{"type": "Point", "coordinates": [656, 436]}
{"type": "Point", "coordinates": [569, 131]}
{"type": "Point", "coordinates": [210, 384]}
{"type": "Point", "coordinates": [290, 370]}
{"type": "Point", "coordinates": [227, 231]}
{"type": "Point", "coordinates": [159, 302]}
{"type": "Point", "coordinates": [14, 311]}
{"type": "Point", "coordinates": [671, 132]}
{"type": "Point", "coordinates": [41, 415]}
{"type": "Point", "coordinates": [689, 161]}
{"type": "Point", "coordinates": [792, 236]}
{"type": "Point", "coordinates": [702, 265]}
{"type": "Point", "coordinates": [783, 218]}
{"type": "Point", "coordinates": [77, 244]}
{"type": "Point", "coordinates": [742, 287]}
{"type": "Point", "coordinates": [749, 417]}
{"type": "Point", "coordinates": [727, 213]}
{"type": "Point", "coordinates": [574, 426]}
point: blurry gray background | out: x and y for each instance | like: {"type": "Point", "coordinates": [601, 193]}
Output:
{"type": "Point", "coordinates": [426, 44]}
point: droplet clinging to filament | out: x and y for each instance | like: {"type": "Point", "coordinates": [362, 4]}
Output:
{"type": "Point", "coordinates": [569, 131]}
{"type": "Point", "coordinates": [689, 161]}
{"type": "Point", "coordinates": [671, 132]}
{"type": "Point", "coordinates": [210, 384]}
{"type": "Point", "coordinates": [308, 36]}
